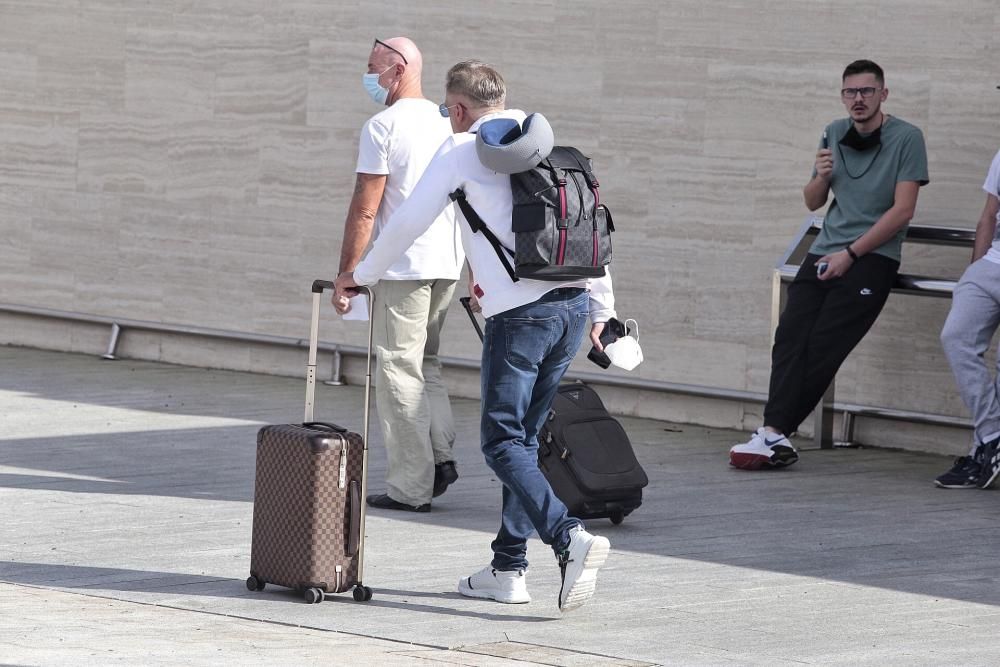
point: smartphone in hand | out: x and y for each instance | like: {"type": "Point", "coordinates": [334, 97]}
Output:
{"type": "Point", "coordinates": [613, 330]}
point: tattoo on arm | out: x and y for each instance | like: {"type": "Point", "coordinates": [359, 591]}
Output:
{"type": "Point", "coordinates": [357, 185]}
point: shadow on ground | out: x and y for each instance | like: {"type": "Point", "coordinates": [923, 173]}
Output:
{"type": "Point", "coordinates": [869, 517]}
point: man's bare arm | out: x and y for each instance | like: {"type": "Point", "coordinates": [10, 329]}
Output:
{"type": "Point", "coordinates": [986, 227]}
{"type": "Point", "coordinates": [903, 207]}
{"type": "Point", "coordinates": [817, 190]}
{"type": "Point", "coordinates": [887, 226]}
{"type": "Point", "coordinates": [365, 201]}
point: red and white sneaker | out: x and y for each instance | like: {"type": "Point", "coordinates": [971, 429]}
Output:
{"type": "Point", "coordinates": [764, 450]}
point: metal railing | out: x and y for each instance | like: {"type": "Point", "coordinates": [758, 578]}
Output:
{"type": "Point", "coordinates": [784, 272]}
{"type": "Point", "coordinates": [118, 327]}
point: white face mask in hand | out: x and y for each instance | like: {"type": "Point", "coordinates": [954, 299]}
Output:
{"type": "Point", "coordinates": [625, 352]}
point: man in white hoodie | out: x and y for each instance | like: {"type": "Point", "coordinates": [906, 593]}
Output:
{"type": "Point", "coordinates": [533, 331]}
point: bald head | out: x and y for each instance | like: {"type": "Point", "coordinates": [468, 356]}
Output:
{"type": "Point", "coordinates": [404, 48]}
{"type": "Point", "coordinates": [402, 57]}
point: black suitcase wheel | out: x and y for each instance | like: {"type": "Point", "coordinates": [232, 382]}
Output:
{"type": "Point", "coordinates": [254, 584]}
{"type": "Point", "coordinates": [313, 595]}
{"type": "Point", "coordinates": [617, 517]}
{"type": "Point", "coordinates": [362, 593]}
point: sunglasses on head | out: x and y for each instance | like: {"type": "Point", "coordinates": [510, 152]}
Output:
{"type": "Point", "coordinates": [379, 42]}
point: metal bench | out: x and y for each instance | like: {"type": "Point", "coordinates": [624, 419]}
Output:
{"type": "Point", "coordinates": [785, 270]}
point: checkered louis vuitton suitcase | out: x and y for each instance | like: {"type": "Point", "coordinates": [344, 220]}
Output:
{"type": "Point", "coordinates": [309, 510]}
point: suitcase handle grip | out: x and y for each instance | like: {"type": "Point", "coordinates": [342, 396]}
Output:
{"type": "Point", "coordinates": [354, 528]}
{"type": "Point", "coordinates": [325, 426]}
{"type": "Point", "coordinates": [320, 285]}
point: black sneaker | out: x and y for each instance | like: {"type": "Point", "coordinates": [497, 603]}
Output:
{"type": "Point", "coordinates": [384, 502]}
{"type": "Point", "coordinates": [445, 475]}
{"type": "Point", "coordinates": [991, 463]}
{"type": "Point", "coordinates": [964, 474]}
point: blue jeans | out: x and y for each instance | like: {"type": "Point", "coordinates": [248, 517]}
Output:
{"type": "Point", "coordinates": [526, 351]}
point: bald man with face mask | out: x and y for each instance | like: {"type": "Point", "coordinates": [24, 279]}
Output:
{"type": "Point", "coordinates": [411, 299]}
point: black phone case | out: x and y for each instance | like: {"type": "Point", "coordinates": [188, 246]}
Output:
{"type": "Point", "coordinates": [612, 332]}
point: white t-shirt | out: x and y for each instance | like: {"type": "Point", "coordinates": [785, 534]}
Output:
{"type": "Point", "coordinates": [400, 142]}
{"type": "Point", "coordinates": [457, 165]}
{"type": "Point", "coordinates": [992, 186]}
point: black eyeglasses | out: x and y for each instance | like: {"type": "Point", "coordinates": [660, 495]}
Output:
{"type": "Point", "coordinates": [379, 42]}
{"type": "Point", "coordinates": [850, 93]}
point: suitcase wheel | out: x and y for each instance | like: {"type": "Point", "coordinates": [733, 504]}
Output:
{"type": "Point", "coordinates": [313, 595]}
{"type": "Point", "coordinates": [254, 584]}
{"type": "Point", "coordinates": [617, 517]}
{"type": "Point", "coordinates": [362, 593]}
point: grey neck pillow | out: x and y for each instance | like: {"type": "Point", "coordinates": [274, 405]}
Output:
{"type": "Point", "coordinates": [509, 147]}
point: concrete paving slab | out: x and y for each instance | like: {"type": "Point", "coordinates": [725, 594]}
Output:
{"type": "Point", "coordinates": [127, 488]}
{"type": "Point", "coordinates": [51, 627]}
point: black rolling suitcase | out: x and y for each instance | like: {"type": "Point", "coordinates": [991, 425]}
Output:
{"type": "Point", "coordinates": [585, 453]}
{"type": "Point", "coordinates": [587, 457]}
{"type": "Point", "coordinates": [310, 485]}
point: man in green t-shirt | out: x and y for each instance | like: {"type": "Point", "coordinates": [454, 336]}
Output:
{"type": "Point", "coordinates": [874, 164]}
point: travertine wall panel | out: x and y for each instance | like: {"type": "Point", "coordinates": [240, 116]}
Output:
{"type": "Point", "coordinates": [191, 161]}
{"type": "Point", "coordinates": [38, 149]}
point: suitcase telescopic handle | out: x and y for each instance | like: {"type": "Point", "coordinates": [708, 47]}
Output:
{"type": "Point", "coordinates": [466, 303]}
{"type": "Point", "coordinates": [318, 287]}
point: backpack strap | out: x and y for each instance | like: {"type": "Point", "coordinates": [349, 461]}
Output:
{"type": "Point", "coordinates": [584, 163]}
{"type": "Point", "coordinates": [588, 173]}
{"type": "Point", "coordinates": [478, 226]}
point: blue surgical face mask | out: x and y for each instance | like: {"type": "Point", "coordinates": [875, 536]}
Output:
{"type": "Point", "coordinates": [374, 88]}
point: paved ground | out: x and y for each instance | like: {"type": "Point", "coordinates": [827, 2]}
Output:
{"type": "Point", "coordinates": [126, 493]}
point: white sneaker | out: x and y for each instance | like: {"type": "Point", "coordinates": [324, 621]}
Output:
{"type": "Point", "coordinates": [585, 554]}
{"type": "Point", "coordinates": [507, 587]}
{"type": "Point", "coordinates": [763, 450]}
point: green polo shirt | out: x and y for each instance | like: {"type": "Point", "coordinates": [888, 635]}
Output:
{"type": "Point", "coordinates": [859, 202]}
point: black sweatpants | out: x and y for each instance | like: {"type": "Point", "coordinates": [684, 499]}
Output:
{"type": "Point", "coordinates": [822, 322]}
